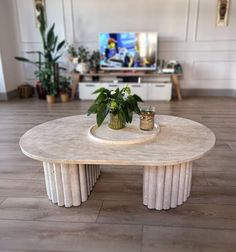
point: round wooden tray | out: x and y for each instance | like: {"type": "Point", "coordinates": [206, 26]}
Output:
{"type": "Point", "coordinates": [131, 134]}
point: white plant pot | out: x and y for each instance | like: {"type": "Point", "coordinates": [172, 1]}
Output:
{"type": "Point", "coordinates": [82, 68]}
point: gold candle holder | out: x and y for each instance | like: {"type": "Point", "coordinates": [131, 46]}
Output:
{"type": "Point", "coordinates": [147, 118]}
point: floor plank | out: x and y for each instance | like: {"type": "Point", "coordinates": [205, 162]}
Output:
{"type": "Point", "coordinates": [28, 218]}
{"type": "Point", "coordinates": [169, 239]}
{"type": "Point", "coordinates": [2, 199]}
{"type": "Point", "coordinates": [222, 195]}
{"type": "Point", "coordinates": [42, 209]}
{"type": "Point", "coordinates": [187, 215]}
{"type": "Point", "coordinates": [22, 188]}
{"type": "Point", "coordinates": [79, 237]}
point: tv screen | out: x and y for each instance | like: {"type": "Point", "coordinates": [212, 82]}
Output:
{"type": "Point", "coordinates": [128, 50]}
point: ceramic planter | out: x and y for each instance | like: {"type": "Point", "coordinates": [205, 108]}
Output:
{"type": "Point", "coordinates": [64, 97]}
{"type": "Point", "coordinates": [82, 68]}
{"type": "Point", "coordinates": [51, 99]}
{"type": "Point", "coordinates": [115, 122]}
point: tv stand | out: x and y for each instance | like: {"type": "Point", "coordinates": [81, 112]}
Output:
{"type": "Point", "coordinates": [174, 78]}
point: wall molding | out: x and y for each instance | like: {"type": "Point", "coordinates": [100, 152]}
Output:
{"type": "Point", "coordinates": [196, 21]}
{"type": "Point", "coordinates": [193, 67]}
{"type": "Point", "coordinates": [197, 26]}
{"type": "Point", "coordinates": [183, 39]}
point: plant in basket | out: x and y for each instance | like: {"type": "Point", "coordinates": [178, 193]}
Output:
{"type": "Point", "coordinates": [119, 103]}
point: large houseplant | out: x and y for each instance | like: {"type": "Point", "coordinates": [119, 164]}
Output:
{"type": "Point", "coordinates": [47, 63]}
{"type": "Point", "coordinates": [119, 103]}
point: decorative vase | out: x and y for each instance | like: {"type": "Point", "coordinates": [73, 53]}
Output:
{"type": "Point", "coordinates": [51, 99]}
{"type": "Point", "coordinates": [64, 97]}
{"type": "Point", "coordinates": [82, 67]}
{"type": "Point", "coordinates": [147, 118]}
{"type": "Point", "coordinates": [115, 122]}
{"type": "Point", "coordinates": [40, 90]}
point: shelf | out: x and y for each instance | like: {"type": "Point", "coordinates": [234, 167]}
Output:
{"type": "Point", "coordinates": [130, 74]}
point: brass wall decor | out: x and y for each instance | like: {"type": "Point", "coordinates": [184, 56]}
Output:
{"type": "Point", "coordinates": [39, 5]}
{"type": "Point", "coordinates": [222, 12]}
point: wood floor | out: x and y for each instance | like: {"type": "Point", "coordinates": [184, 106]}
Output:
{"type": "Point", "coordinates": [114, 219]}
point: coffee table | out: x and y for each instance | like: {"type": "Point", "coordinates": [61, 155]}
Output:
{"type": "Point", "coordinates": [71, 158]}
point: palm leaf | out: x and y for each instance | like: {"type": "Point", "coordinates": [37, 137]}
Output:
{"type": "Point", "coordinates": [60, 45]}
{"type": "Point", "coordinates": [50, 36]}
{"type": "Point", "coordinates": [25, 60]}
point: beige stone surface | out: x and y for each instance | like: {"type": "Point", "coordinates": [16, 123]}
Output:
{"type": "Point", "coordinates": [66, 140]}
{"type": "Point", "coordinates": [131, 134]}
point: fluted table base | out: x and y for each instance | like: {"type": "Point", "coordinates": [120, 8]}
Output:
{"type": "Point", "coordinates": [69, 184]}
{"type": "Point", "coordinates": [166, 187]}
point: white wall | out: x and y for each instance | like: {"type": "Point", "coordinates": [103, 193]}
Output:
{"type": "Point", "coordinates": [187, 32]}
{"type": "Point", "coordinates": [10, 70]}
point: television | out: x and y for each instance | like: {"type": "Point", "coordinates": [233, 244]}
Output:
{"type": "Point", "coordinates": [128, 50]}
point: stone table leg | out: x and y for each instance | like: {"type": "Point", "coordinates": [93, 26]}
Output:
{"type": "Point", "coordinates": [166, 187]}
{"type": "Point", "coordinates": [69, 184]}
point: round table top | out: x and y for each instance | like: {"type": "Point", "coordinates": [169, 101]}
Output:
{"type": "Point", "coordinates": [66, 140]}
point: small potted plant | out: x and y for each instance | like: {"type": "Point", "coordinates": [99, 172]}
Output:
{"type": "Point", "coordinates": [94, 61]}
{"type": "Point", "coordinates": [83, 60]}
{"type": "Point", "coordinates": [46, 75]}
{"type": "Point", "coordinates": [64, 86]}
{"type": "Point", "coordinates": [73, 54]}
{"type": "Point", "coordinates": [119, 103]}
{"type": "Point", "coordinates": [94, 64]}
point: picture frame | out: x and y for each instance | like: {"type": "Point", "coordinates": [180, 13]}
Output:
{"type": "Point", "coordinates": [222, 15]}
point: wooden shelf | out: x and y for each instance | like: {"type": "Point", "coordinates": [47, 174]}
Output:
{"type": "Point", "coordinates": [174, 77]}
{"type": "Point", "coordinates": [130, 74]}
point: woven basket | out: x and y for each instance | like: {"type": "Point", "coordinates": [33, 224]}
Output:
{"type": "Point", "coordinates": [25, 91]}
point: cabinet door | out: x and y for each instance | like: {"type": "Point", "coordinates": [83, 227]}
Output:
{"type": "Point", "coordinates": [139, 89]}
{"type": "Point", "coordinates": [159, 91]}
{"type": "Point", "coordinates": [86, 90]}
{"type": "Point", "coordinates": [113, 86]}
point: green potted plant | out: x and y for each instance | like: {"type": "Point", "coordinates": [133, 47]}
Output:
{"type": "Point", "coordinates": [94, 61]}
{"type": "Point", "coordinates": [73, 54]}
{"type": "Point", "coordinates": [83, 60]}
{"type": "Point", "coordinates": [64, 86]}
{"type": "Point", "coordinates": [47, 64]}
{"type": "Point", "coordinates": [119, 103]}
{"type": "Point", "coordinates": [94, 64]}
{"type": "Point", "coordinates": [45, 75]}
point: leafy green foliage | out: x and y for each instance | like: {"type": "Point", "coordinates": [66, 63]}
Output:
{"type": "Point", "coordinates": [94, 60]}
{"type": "Point", "coordinates": [64, 84]}
{"type": "Point", "coordinates": [72, 51]}
{"type": "Point", "coordinates": [83, 54]}
{"type": "Point", "coordinates": [48, 58]}
{"type": "Point", "coordinates": [118, 102]}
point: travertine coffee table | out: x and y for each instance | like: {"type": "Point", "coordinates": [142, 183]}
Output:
{"type": "Point", "coordinates": [71, 158]}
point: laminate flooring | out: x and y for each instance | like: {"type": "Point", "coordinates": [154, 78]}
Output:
{"type": "Point", "coordinates": [114, 219]}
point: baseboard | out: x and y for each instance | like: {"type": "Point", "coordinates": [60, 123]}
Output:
{"type": "Point", "coordinates": [209, 92]}
{"type": "Point", "coordinates": [9, 95]}
{"type": "Point", "coordinates": [3, 97]}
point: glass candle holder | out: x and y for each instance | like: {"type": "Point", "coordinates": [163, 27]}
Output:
{"type": "Point", "coordinates": [147, 118]}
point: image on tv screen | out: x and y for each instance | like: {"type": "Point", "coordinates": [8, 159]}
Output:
{"type": "Point", "coordinates": [128, 50]}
